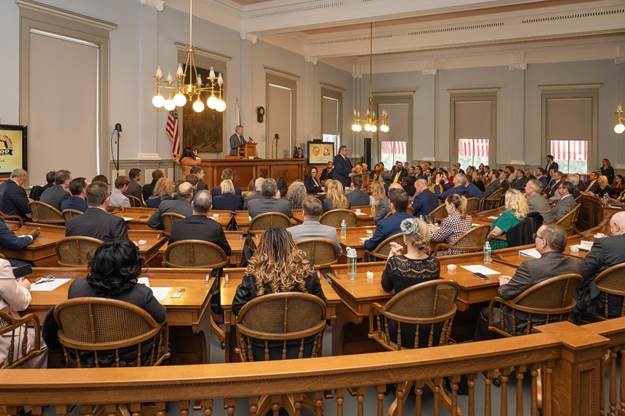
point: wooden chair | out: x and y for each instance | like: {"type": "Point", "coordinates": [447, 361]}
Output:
{"type": "Point", "coordinates": [611, 283]}
{"type": "Point", "coordinates": [76, 251]}
{"type": "Point", "coordinates": [382, 250]}
{"type": "Point", "coordinates": [319, 251]}
{"type": "Point", "coordinates": [11, 217]}
{"type": "Point", "coordinates": [195, 253]}
{"type": "Point", "coordinates": [45, 213]}
{"type": "Point", "coordinates": [438, 214]}
{"type": "Point", "coordinates": [168, 219]}
{"type": "Point", "coordinates": [551, 300]}
{"type": "Point", "coordinates": [334, 217]}
{"type": "Point", "coordinates": [280, 326]}
{"type": "Point", "coordinates": [568, 221]}
{"type": "Point", "coordinates": [102, 332]}
{"type": "Point", "coordinates": [269, 220]}
{"type": "Point", "coordinates": [70, 213]}
{"type": "Point", "coordinates": [471, 241]}
{"type": "Point", "coordinates": [135, 202]}
{"type": "Point", "coordinates": [473, 205]}
{"type": "Point", "coordinates": [14, 328]}
{"type": "Point", "coordinates": [590, 212]}
{"type": "Point", "coordinates": [492, 201]}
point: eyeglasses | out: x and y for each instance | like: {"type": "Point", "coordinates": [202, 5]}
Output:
{"type": "Point", "coordinates": [537, 236]}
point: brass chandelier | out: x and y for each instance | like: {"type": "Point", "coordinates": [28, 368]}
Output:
{"type": "Point", "coordinates": [370, 123]}
{"type": "Point", "coordinates": [177, 95]}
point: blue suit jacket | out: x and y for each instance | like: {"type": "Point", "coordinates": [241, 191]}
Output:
{"type": "Point", "coordinates": [385, 228]}
{"type": "Point", "coordinates": [473, 191]}
{"type": "Point", "coordinates": [13, 199]}
{"type": "Point", "coordinates": [74, 202]}
{"type": "Point", "coordinates": [342, 169]}
{"type": "Point", "coordinates": [424, 203]}
{"type": "Point", "coordinates": [459, 190]}
{"type": "Point", "coordinates": [9, 241]}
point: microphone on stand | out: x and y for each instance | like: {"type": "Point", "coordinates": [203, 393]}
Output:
{"type": "Point", "coordinates": [117, 129]}
{"type": "Point", "coordinates": [276, 137]}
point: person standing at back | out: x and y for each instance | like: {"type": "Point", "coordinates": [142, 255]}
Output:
{"type": "Point", "coordinates": [342, 167]}
{"type": "Point", "coordinates": [58, 193]}
{"type": "Point", "coordinates": [236, 140]}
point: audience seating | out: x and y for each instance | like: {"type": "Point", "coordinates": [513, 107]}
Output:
{"type": "Point", "coordinates": [590, 213]}
{"type": "Point", "coordinates": [15, 328]}
{"type": "Point", "coordinates": [76, 251]}
{"type": "Point", "coordinates": [568, 221]}
{"type": "Point", "coordinates": [320, 252]}
{"type": "Point", "coordinates": [492, 201]}
{"type": "Point", "coordinates": [45, 213]}
{"type": "Point", "coordinates": [135, 202]}
{"type": "Point", "coordinates": [473, 205]}
{"type": "Point", "coordinates": [611, 283]}
{"type": "Point", "coordinates": [70, 213]}
{"type": "Point", "coordinates": [382, 250]}
{"type": "Point", "coordinates": [9, 217]}
{"type": "Point", "coordinates": [471, 241]}
{"type": "Point", "coordinates": [268, 220]}
{"type": "Point", "coordinates": [168, 220]}
{"type": "Point", "coordinates": [438, 214]}
{"type": "Point", "coordinates": [195, 253]}
{"type": "Point", "coordinates": [334, 217]}
{"type": "Point", "coordinates": [551, 300]}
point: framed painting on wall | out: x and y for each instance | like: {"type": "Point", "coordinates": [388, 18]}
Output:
{"type": "Point", "coordinates": [320, 152]}
{"type": "Point", "coordinates": [13, 148]}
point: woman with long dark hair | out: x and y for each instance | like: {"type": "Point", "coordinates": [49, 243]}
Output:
{"type": "Point", "coordinates": [188, 159]}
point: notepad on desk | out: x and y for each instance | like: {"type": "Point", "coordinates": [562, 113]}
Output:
{"type": "Point", "coordinates": [530, 252]}
{"type": "Point", "coordinates": [47, 284]}
{"type": "Point", "coordinates": [492, 217]}
{"type": "Point", "coordinates": [477, 268]}
{"type": "Point", "coordinates": [127, 218]}
{"type": "Point", "coordinates": [160, 293]}
{"type": "Point", "coordinates": [583, 245]}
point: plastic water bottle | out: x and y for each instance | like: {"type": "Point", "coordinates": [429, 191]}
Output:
{"type": "Point", "coordinates": [606, 198]}
{"type": "Point", "coordinates": [487, 253]}
{"type": "Point", "coordinates": [343, 230]}
{"type": "Point", "coordinates": [351, 263]}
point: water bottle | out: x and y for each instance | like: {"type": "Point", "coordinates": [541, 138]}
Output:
{"type": "Point", "coordinates": [351, 263]}
{"type": "Point", "coordinates": [606, 198]}
{"type": "Point", "coordinates": [343, 230]}
{"type": "Point", "coordinates": [487, 253]}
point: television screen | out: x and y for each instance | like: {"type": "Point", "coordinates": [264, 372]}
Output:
{"type": "Point", "coordinates": [12, 148]}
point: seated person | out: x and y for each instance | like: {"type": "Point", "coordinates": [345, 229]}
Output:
{"type": "Point", "coordinates": [14, 298]}
{"type": "Point", "coordinates": [198, 172]}
{"type": "Point", "coordinates": [605, 252]}
{"type": "Point", "coordinates": [254, 191]}
{"type": "Point", "coordinates": [198, 226]}
{"type": "Point", "coordinates": [454, 225]}
{"type": "Point", "coordinates": [311, 228]}
{"type": "Point", "coordinates": [36, 191]}
{"type": "Point", "coordinates": [96, 222]}
{"type": "Point", "coordinates": [55, 195]}
{"type": "Point", "coordinates": [227, 199]}
{"type": "Point", "coordinates": [10, 241]}
{"type": "Point", "coordinates": [276, 266]}
{"type": "Point", "coordinates": [536, 201]}
{"type": "Point", "coordinates": [550, 243]}
{"type": "Point", "coordinates": [459, 188]}
{"type": "Point", "coordinates": [335, 196]}
{"type": "Point", "coordinates": [604, 188]}
{"type": "Point", "coordinates": [101, 178]}
{"type": "Point", "coordinates": [379, 202]}
{"type": "Point", "coordinates": [227, 173]}
{"type": "Point", "coordinates": [390, 225]}
{"type": "Point", "coordinates": [313, 186]}
{"type": "Point", "coordinates": [564, 205]}
{"type": "Point", "coordinates": [134, 184]}
{"type": "Point", "coordinates": [117, 198]}
{"type": "Point", "coordinates": [519, 181]}
{"type": "Point", "coordinates": [327, 172]}
{"type": "Point", "coordinates": [180, 205]}
{"type": "Point", "coordinates": [163, 190]}
{"type": "Point", "coordinates": [514, 213]}
{"type": "Point", "coordinates": [77, 201]}
{"type": "Point", "coordinates": [593, 183]}
{"type": "Point", "coordinates": [13, 199]}
{"type": "Point", "coordinates": [357, 197]}
{"type": "Point", "coordinates": [148, 188]}
{"type": "Point", "coordinates": [270, 200]}
{"type": "Point", "coordinates": [424, 201]}
{"type": "Point", "coordinates": [295, 194]}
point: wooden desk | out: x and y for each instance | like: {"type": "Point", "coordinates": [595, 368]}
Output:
{"type": "Point", "coordinates": [137, 218]}
{"type": "Point", "coordinates": [246, 170]}
{"type": "Point", "coordinates": [513, 257]}
{"type": "Point", "coordinates": [355, 238]}
{"type": "Point", "coordinates": [228, 289]}
{"type": "Point", "coordinates": [185, 314]}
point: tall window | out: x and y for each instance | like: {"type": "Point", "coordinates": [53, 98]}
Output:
{"type": "Point", "coordinates": [394, 144]}
{"type": "Point", "coordinates": [569, 131]}
{"type": "Point", "coordinates": [472, 130]}
{"type": "Point", "coordinates": [331, 116]}
{"type": "Point", "coordinates": [392, 151]}
{"type": "Point", "coordinates": [281, 99]}
{"type": "Point", "coordinates": [472, 152]}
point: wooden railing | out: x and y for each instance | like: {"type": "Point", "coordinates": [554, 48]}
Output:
{"type": "Point", "coordinates": [562, 365]}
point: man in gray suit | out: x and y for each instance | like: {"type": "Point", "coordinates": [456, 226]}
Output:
{"type": "Point", "coordinates": [270, 200]}
{"type": "Point", "coordinates": [565, 204]}
{"type": "Point", "coordinates": [357, 197]}
{"type": "Point", "coordinates": [236, 140]}
{"type": "Point", "coordinates": [180, 205]}
{"type": "Point", "coordinates": [536, 201]}
{"type": "Point", "coordinates": [311, 228]}
{"type": "Point", "coordinates": [58, 193]}
{"type": "Point", "coordinates": [550, 243]}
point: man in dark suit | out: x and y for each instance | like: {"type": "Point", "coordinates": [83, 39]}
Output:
{"type": "Point", "coordinates": [557, 178]}
{"type": "Point", "coordinates": [58, 193]}
{"type": "Point", "coordinates": [134, 186]}
{"type": "Point", "coordinates": [605, 252]}
{"type": "Point", "coordinates": [357, 197]}
{"type": "Point", "coordinates": [564, 205]}
{"type": "Point", "coordinates": [342, 167]}
{"type": "Point", "coordinates": [95, 222]}
{"type": "Point", "coordinates": [550, 165]}
{"type": "Point", "coordinates": [593, 183]}
{"type": "Point", "coordinates": [198, 172]}
{"type": "Point", "coordinates": [424, 200]}
{"type": "Point", "coordinates": [236, 140]}
{"type": "Point", "coordinates": [389, 226]}
{"type": "Point", "coordinates": [398, 173]}
{"type": "Point", "coordinates": [542, 177]}
{"type": "Point", "coordinates": [550, 243]}
{"type": "Point", "coordinates": [270, 201]}
{"type": "Point", "coordinates": [181, 205]}
{"type": "Point", "coordinates": [77, 187]}
{"type": "Point", "coordinates": [10, 241]}
{"type": "Point", "coordinates": [519, 181]}
{"type": "Point", "coordinates": [327, 172]}
{"type": "Point", "coordinates": [148, 188]}
{"type": "Point", "coordinates": [13, 199]}
{"type": "Point", "coordinates": [198, 226]}
{"type": "Point", "coordinates": [460, 188]}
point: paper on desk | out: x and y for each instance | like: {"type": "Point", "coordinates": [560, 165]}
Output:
{"type": "Point", "coordinates": [127, 218]}
{"type": "Point", "coordinates": [531, 252]}
{"type": "Point", "coordinates": [583, 245]}
{"type": "Point", "coordinates": [492, 217]}
{"type": "Point", "coordinates": [478, 268]}
{"type": "Point", "coordinates": [160, 293]}
{"type": "Point", "coordinates": [48, 286]}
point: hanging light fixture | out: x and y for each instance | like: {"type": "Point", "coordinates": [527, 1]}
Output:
{"type": "Point", "coordinates": [179, 94]}
{"type": "Point", "coordinates": [370, 123]}
{"type": "Point", "coordinates": [619, 127]}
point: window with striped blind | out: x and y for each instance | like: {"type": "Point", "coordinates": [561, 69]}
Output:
{"type": "Point", "coordinates": [392, 151]}
{"type": "Point", "coordinates": [472, 152]}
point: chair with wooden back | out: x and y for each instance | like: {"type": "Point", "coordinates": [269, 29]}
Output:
{"type": "Point", "coordinates": [611, 285]}
{"type": "Point", "coordinates": [549, 301]}
{"type": "Point", "coordinates": [103, 332]}
{"type": "Point", "coordinates": [438, 214]}
{"type": "Point", "coordinates": [76, 251]}
{"type": "Point", "coordinates": [492, 201]}
{"type": "Point", "coordinates": [473, 205]}
{"type": "Point", "coordinates": [12, 330]}
{"type": "Point", "coordinates": [334, 217]}
{"type": "Point", "coordinates": [320, 252]}
{"type": "Point", "coordinates": [11, 217]}
{"type": "Point", "coordinates": [568, 221]}
{"type": "Point", "coordinates": [195, 253]}
{"type": "Point", "coordinates": [134, 201]}
{"type": "Point", "coordinates": [70, 213]}
{"type": "Point", "coordinates": [382, 250]}
{"type": "Point", "coordinates": [471, 241]}
{"type": "Point", "coordinates": [269, 220]}
{"type": "Point", "coordinates": [45, 213]}
{"type": "Point", "coordinates": [590, 212]}
{"type": "Point", "coordinates": [168, 219]}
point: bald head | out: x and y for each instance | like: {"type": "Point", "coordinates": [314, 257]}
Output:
{"type": "Point", "coordinates": [185, 191]}
{"type": "Point", "coordinates": [202, 203]}
{"type": "Point", "coordinates": [617, 223]}
{"type": "Point", "coordinates": [420, 185]}
{"type": "Point", "coordinates": [19, 176]}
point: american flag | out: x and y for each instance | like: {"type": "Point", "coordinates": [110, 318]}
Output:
{"type": "Point", "coordinates": [173, 132]}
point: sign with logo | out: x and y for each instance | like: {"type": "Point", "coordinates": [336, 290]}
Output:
{"type": "Point", "coordinates": [12, 148]}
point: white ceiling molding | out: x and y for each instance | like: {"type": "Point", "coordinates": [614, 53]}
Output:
{"type": "Point", "coordinates": [221, 12]}
{"type": "Point", "coordinates": [159, 5]}
{"type": "Point", "coordinates": [55, 11]}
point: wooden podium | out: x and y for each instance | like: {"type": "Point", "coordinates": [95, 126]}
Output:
{"type": "Point", "coordinates": [247, 150]}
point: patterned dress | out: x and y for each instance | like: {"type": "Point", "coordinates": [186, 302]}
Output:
{"type": "Point", "coordinates": [401, 272]}
{"type": "Point", "coordinates": [450, 231]}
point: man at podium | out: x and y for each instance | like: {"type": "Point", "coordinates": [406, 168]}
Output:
{"type": "Point", "coordinates": [236, 140]}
